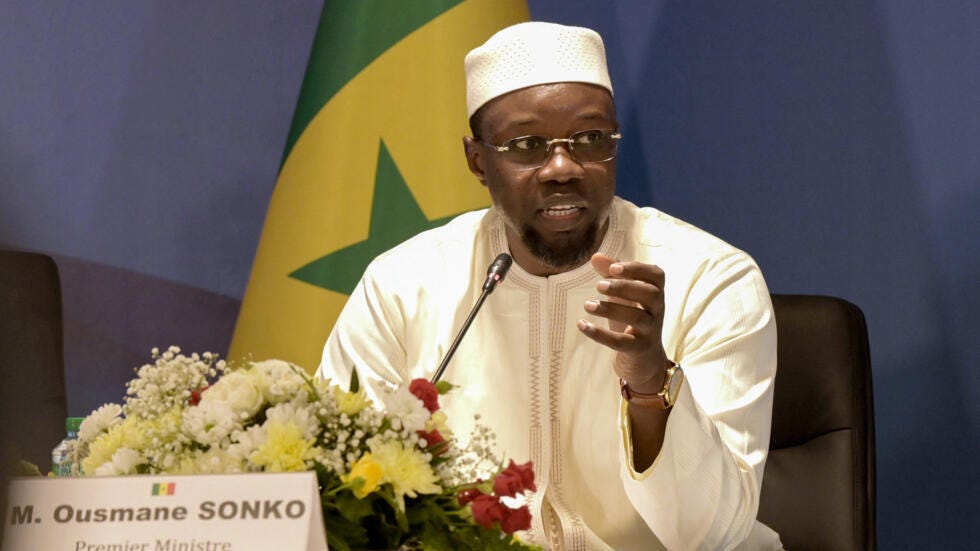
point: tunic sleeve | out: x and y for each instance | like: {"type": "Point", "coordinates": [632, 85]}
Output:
{"type": "Point", "coordinates": [366, 337]}
{"type": "Point", "coordinates": [702, 491]}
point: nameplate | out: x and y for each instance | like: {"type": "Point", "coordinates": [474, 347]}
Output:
{"type": "Point", "coordinates": [276, 511]}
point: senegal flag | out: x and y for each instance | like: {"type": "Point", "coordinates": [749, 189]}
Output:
{"type": "Point", "coordinates": [374, 156]}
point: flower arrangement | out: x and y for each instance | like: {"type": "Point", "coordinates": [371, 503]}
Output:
{"type": "Point", "coordinates": [386, 477]}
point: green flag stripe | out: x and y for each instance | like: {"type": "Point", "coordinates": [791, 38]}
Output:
{"type": "Point", "coordinates": [351, 34]}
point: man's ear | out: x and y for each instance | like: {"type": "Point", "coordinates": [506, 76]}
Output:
{"type": "Point", "coordinates": [474, 158]}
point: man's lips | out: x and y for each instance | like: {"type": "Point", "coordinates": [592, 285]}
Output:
{"type": "Point", "coordinates": [560, 212]}
{"type": "Point", "coordinates": [561, 206]}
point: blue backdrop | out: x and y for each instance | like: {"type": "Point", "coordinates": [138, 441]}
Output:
{"type": "Point", "coordinates": [837, 142]}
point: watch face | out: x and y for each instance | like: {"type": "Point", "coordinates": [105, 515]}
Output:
{"type": "Point", "coordinates": [675, 386]}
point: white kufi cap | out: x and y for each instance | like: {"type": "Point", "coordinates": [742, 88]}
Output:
{"type": "Point", "coordinates": [528, 54]}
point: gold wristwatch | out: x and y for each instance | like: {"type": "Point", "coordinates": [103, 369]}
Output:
{"type": "Point", "coordinates": [662, 400]}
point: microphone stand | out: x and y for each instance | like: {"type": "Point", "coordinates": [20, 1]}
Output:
{"type": "Point", "coordinates": [495, 274]}
{"type": "Point", "coordinates": [459, 336]}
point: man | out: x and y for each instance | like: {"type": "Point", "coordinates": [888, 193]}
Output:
{"type": "Point", "coordinates": [628, 354]}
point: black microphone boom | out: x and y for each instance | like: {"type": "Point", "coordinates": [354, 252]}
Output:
{"type": "Point", "coordinates": [495, 275]}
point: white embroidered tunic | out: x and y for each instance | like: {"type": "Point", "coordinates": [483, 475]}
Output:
{"type": "Point", "coordinates": [550, 393]}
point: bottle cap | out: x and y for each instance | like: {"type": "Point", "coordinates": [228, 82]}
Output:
{"type": "Point", "coordinates": [73, 423]}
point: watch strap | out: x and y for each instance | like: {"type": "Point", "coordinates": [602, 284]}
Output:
{"type": "Point", "coordinates": [658, 400]}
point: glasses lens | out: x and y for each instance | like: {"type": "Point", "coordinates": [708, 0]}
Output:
{"type": "Point", "coordinates": [527, 150]}
{"type": "Point", "coordinates": [593, 146]}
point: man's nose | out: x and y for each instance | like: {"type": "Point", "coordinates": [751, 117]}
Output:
{"type": "Point", "coordinates": [560, 166]}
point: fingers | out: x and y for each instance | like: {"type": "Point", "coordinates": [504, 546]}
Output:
{"type": "Point", "coordinates": [641, 322]}
{"type": "Point", "coordinates": [609, 267]}
{"type": "Point", "coordinates": [638, 271]}
{"type": "Point", "coordinates": [633, 293]}
{"type": "Point", "coordinates": [620, 341]}
{"type": "Point", "coordinates": [633, 304]}
{"type": "Point", "coordinates": [601, 262]}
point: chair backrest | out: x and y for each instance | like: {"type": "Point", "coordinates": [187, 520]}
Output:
{"type": "Point", "coordinates": [818, 491]}
{"type": "Point", "coordinates": [32, 378]}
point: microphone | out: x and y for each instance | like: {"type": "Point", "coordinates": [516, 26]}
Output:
{"type": "Point", "coordinates": [497, 271]}
{"type": "Point", "coordinates": [495, 276]}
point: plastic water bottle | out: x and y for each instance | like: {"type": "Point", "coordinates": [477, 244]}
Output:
{"type": "Point", "coordinates": [61, 463]}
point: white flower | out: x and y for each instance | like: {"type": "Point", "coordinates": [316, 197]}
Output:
{"type": "Point", "coordinates": [210, 423]}
{"type": "Point", "coordinates": [100, 420]}
{"type": "Point", "coordinates": [239, 390]}
{"type": "Point", "coordinates": [124, 461]}
{"type": "Point", "coordinates": [278, 380]}
{"type": "Point", "coordinates": [246, 441]}
{"type": "Point", "coordinates": [212, 461]}
{"type": "Point", "coordinates": [402, 405]}
{"type": "Point", "coordinates": [298, 412]}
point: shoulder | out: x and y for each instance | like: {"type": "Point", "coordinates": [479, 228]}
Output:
{"type": "Point", "coordinates": [650, 230]}
{"type": "Point", "coordinates": [430, 251]}
{"type": "Point", "coordinates": [700, 267]}
{"type": "Point", "coordinates": [711, 286]}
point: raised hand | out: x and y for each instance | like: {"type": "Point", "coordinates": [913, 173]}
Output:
{"type": "Point", "coordinates": [634, 307]}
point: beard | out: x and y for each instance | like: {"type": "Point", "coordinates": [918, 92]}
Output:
{"type": "Point", "coordinates": [570, 253]}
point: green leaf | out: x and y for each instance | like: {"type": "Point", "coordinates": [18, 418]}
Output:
{"type": "Point", "coordinates": [352, 508]}
{"type": "Point", "coordinates": [343, 536]}
{"type": "Point", "coordinates": [26, 468]}
{"type": "Point", "coordinates": [444, 387]}
{"type": "Point", "coordinates": [345, 518]}
{"type": "Point", "coordinates": [437, 538]}
{"type": "Point", "coordinates": [306, 379]}
{"type": "Point", "coordinates": [387, 493]}
{"type": "Point", "coordinates": [355, 383]}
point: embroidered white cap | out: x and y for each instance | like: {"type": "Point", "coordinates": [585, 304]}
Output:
{"type": "Point", "coordinates": [528, 54]}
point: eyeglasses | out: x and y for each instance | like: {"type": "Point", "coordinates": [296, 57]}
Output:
{"type": "Point", "coordinates": [530, 152]}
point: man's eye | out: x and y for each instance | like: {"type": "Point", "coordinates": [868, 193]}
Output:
{"type": "Point", "coordinates": [527, 143]}
{"type": "Point", "coordinates": [588, 137]}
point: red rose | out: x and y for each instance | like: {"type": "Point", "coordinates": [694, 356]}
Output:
{"type": "Point", "coordinates": [425, 391]}
{"type": "Point", "coordinates": [516, 519]}
{"type": "Point", "coordinates": [487, 510]}
{"type": "Point", "coordinates": [507, 484]}
{"type": "Point", "coordinates": [196, 396]}
{"type": "Point", "coordinates": [433, 441]}
{"type": "Point", "coordinates": [468, 495]}
{"type": "Point", "coordinates": [514, 479]}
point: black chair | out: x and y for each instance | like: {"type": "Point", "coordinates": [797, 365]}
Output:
{"type": "Point", "coordinates": [819, 486]}
{"type": "Point", "coordinates": [32, 378]}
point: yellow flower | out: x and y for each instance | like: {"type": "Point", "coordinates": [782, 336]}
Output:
{"type": "Point", "coordinates": [131, 433]}
{"type": "Point", "coordinates": [438, 421]}
{"type": "Point", "coordinates": [101, 450]}
{"type": "Point", "coordinates": [406, 469]}
{"type": "Point", "coordinates": [350, 403]}
{"type": "Point", "coordinates": [187, 465]}
{"type": "Point", "coordinates": [213, 461]}
{"type": "Point", "coordinates": [169, 423]}
{"type": "Point", "coordinates": [368, 470]}
{"type": "Point", "coordinates": [284, 449]}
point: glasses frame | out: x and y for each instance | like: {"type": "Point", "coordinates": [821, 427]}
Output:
{"type": "Point", "coordinates": [549, 143]}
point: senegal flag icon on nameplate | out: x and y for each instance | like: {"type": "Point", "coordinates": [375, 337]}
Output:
{"type": "Point", "coordinates": [164, 489]}
{"type": "Point", "coordinates": [374, 156]}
